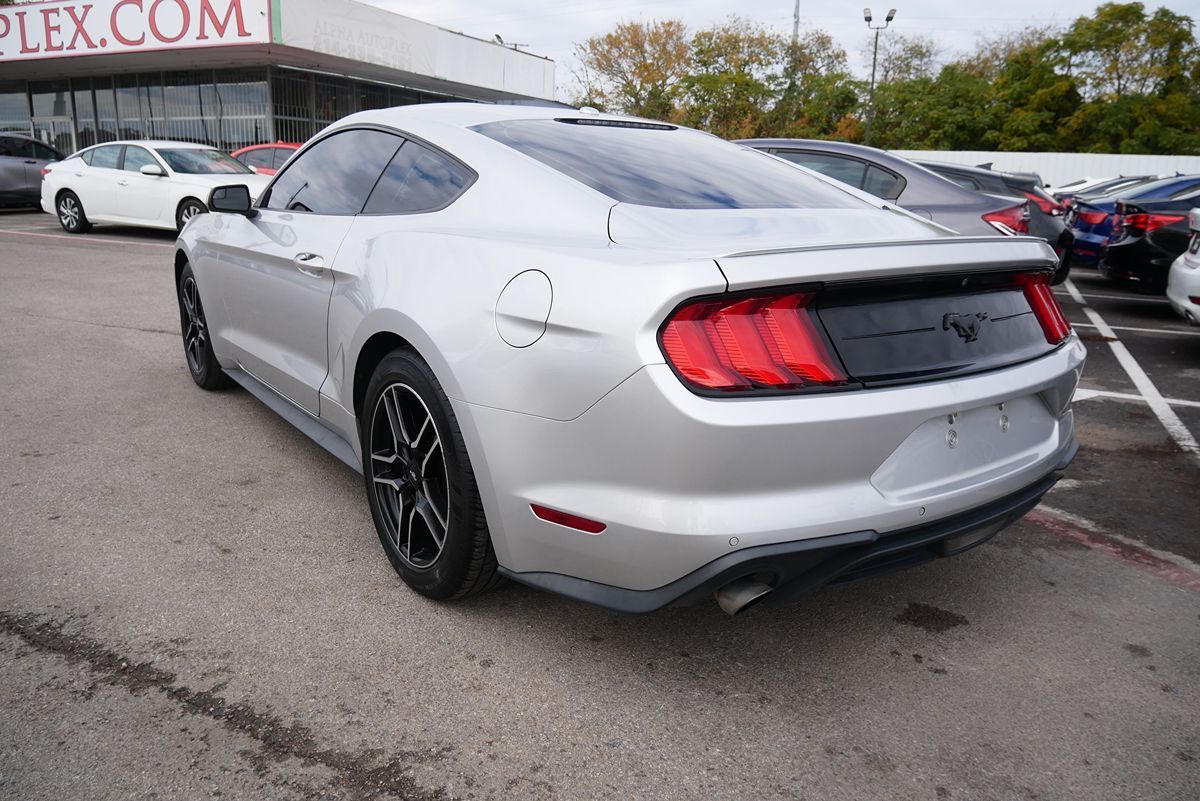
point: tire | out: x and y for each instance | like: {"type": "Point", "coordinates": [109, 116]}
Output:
{"type": "Point", "coordinates": [419, 481]}
{"type": "Point", "coordinates": [197, 345]}
{"type": "Point", "coordinates": [70, 213]}
{"type": "Point", "coordinates": [188, 209]}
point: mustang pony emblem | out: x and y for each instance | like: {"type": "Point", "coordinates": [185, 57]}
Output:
{"type": "Point", "coordinates": [965, 325]}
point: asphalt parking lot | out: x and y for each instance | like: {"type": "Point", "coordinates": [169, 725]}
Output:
{"type": "Point", "coordinates": [194, 604]}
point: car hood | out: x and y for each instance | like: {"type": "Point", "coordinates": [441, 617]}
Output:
{"type": "Point", "coordinates": [253, 181]}
{"type": "Point", "coordinates": [716, 232]}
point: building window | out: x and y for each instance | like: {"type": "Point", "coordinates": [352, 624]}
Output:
{"type": "Point", "coordinates": [14, 107]}
{"type": "Point", "coordinates": [107, 129]}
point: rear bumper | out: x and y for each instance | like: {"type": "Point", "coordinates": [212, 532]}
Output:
{"type": "Point", "coordinates": [796, 568]}
{"type": "Point", "coordinates": [681, 481]}
{"type": "Point", "coordinates": [1138, 260]}
{"type": "Point", "coordinates": [1182, 286]}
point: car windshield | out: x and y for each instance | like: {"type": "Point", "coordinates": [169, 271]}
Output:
{"type": "Point", "coordinates": [661, 165]}
{"type": "Point", "coordinates": [200, 161]}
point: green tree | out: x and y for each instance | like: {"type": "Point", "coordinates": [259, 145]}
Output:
{"type": "Point", "coordinates": [819, 94]}
{"type": "Point", "coordinates": [635, 68]}
{"type": "Point", "coordinates": [734, 78]}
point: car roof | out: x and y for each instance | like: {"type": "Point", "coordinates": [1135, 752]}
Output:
{"type": "Point", "coordinates": [156, 144]}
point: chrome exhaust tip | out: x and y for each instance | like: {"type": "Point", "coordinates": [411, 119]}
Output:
{"type": "Point", "coordinates": [738, 596]}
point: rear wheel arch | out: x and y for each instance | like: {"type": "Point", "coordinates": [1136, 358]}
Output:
{"type": "Point", "coordinates": [181, 261]}
{"type": "Point", "coordinates": [373, 351]}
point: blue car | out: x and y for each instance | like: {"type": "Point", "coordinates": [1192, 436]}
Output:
{"type": "Point", "coordinates": [1091, 218]}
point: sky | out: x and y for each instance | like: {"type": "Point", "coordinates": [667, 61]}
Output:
{"type": "Point", "coordinates": [552, 27]}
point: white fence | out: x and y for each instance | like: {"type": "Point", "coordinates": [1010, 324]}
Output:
{"type": "Point", "coordinates": [1061, 168]}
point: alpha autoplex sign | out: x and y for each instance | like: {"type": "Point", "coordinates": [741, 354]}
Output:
{"type": "Point", "coordinates": [56, 29]}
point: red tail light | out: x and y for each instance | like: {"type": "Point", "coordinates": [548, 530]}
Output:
{"type": "Point", "coordinates": [1047, 205]}
{"type": "Point", "coordinates": [744, 344]}
{"type": "Point", "coordinates": [1148, 222]}
{"type": "Point", "coordinates": [45, 171]}
{"type": "Point", "coordinates": [1091, 217]}
{"type": "Point", "coordinates": [1011, 221]}
{"type": "Point", "coordinates": [1045, 306]}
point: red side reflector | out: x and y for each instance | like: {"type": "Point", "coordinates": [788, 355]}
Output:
{"type": "Point", "coordinates": [568, 520]}
{"type": "Point", "coordinates": [45, 171]}
{"type": "Point", "coordinates": [743, 344]}
{"type": "Point", "coordinates": [1045, 306]}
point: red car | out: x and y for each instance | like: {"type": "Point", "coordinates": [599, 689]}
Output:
{"type": "Point", "coordinates": [266, 159]}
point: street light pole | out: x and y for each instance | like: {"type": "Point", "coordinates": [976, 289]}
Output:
{"type": "Point", "coordinates": [874, 60]}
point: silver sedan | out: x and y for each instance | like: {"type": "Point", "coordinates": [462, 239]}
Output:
{"type": "Point", "coordinates": [627, 361]}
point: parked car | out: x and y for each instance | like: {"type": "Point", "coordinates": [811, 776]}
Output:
{"type": "Point", "coordinates": [21, 161]}
{"type": "Point", "coordinates": [905, 183]}
{"type": "Point", "coordinates": [266, 159]}
{"type": "Point", "coordinates": [627, 361]}
{"type": "Point", "coordinates": [1045, 212]}
{"type": "Point", "coordinates": [1090, 217]}
{"type": "Point", "coordinates": [1098, 186]}
{"type": "Point", "coordinates": [1183, 283]}
{"type": "Point", "coordinates": [1148, 236]}
{"type": "Point", "coordinates": [154, 184]}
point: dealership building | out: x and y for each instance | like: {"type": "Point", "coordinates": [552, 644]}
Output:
{"type": "Point", "coordinates": [235, 72]}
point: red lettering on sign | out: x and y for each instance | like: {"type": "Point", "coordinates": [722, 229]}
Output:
{"type": "Point", "coordinates": [25, 48]}
{"type": "Point", "coordinates": [208, 13]}
{"type": "Point", "coordinates": [187, 18]}
{"type": "Point", "coordinates": [4, 20]}
{"type": "Point", "coordinates": [79, 29]}
{"type": "Point", "coordinates": [51, 30]}
{"type": "Point", "coordinates": [116, 32]}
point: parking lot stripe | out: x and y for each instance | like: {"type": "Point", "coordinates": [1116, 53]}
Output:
{"type": "Point", "coordinates": [1154, 399]}
{"type": "Point", "coordinates": [1129, 298]}
{"type": "Point", "coordinates": [87, 240]}
{"type": "Point", "coordinates": [1142, 330]}
{"type": "Point", "coordinates": [1084, 393]}
{"type": "Point", "coordinates": [1169, 567]}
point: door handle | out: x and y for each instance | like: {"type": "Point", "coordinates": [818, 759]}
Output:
{"type": "Point", "coordinates": [310, 264]}
{"type": "Point", "coordinates": [30, 161]}
{"type": "Point", "coordinates": [78, 175]}
{"type": "Point", "coordinates": [123, 182]}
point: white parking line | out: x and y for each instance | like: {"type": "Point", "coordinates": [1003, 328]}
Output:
{"type": "Point", "coordinates": [1142, 330]}
{"type": "Point", "coordinates": [1127, 298]}
{"type": "Point", "coordinates": [1087, 394]}
{"type": "Point", "coordinates": [83, 240]}
{"type": "Point", "coordinates": [1154, 399]}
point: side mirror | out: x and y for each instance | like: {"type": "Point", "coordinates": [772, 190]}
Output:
{"type": "Point", "coordinates": [153, 169]}
{"type": "Point", "coordinates": [232, 199]}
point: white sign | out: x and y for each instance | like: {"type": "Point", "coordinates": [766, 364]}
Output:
{"type": "Point", "coordinates": [74, 27]}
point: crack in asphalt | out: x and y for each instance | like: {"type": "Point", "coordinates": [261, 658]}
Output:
{"type": "Point", "coordinates": [100, 325]}
{"type": "Point", "coordinates": [362, 775]}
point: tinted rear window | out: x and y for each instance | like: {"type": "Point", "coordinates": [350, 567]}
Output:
{"type": "Point", "coordinates": [665, 166]}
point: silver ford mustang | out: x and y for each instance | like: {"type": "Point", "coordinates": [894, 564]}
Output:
{"type": "Point", "coordinates": [629, 362]}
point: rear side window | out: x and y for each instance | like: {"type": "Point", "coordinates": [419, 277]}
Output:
{"type": "Point", "coordinates": [22, 148]}
{"type": "Point", "coordinates": [848, 171]}
{"type": "Point", "coordinates": [45, 152]}
{"type": "Point", "coordinates": [882, 183]}
{"type": "Point", "coordinates": [87, 156]}
{"type": "Point", "coordinates": [661, 165]}
{"type": "Point", "coordinates": [417, 179]}
{"type": "Point", "coordinates": [335, 175]}
{"type": "Point", "coordinates": [282, 154]}
{"type": "Point", "coordinates": [106, 156]}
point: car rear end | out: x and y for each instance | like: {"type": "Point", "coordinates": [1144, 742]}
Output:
{"type": "Point", "coordinates": [1091, 224]}
{"type": "Point", "coordinates": [1146, 238]}
{"type": "Point", "coordinates": [1183, 283]}
{"type": "Point", "coordinates": [833, 413]}
{"type": "Point", "coordinates": [813, 386]}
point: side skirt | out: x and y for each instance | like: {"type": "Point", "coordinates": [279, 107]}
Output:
{"type": "Point", "coordinates": [310, 426]}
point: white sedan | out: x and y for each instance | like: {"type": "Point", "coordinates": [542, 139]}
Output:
{"type": "Point", "coordinates": [154, 184]}
{"type": "Point", "coordinates": [1183, 283]}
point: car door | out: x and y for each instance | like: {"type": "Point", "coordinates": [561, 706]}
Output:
{"type": "Point", "coordinates": [275, 271]}
{"type": "Point", "coordinates": [14, 183]}
{"type": "Point", "coordinates": [95, 181]}
{"type": "Point", "coordinates": [40, 156]}
{"type": "Point", "coordinates": [138, 197]}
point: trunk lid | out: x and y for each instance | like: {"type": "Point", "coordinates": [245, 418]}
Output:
{"type": "Point", "coordinates": [911, 311]}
